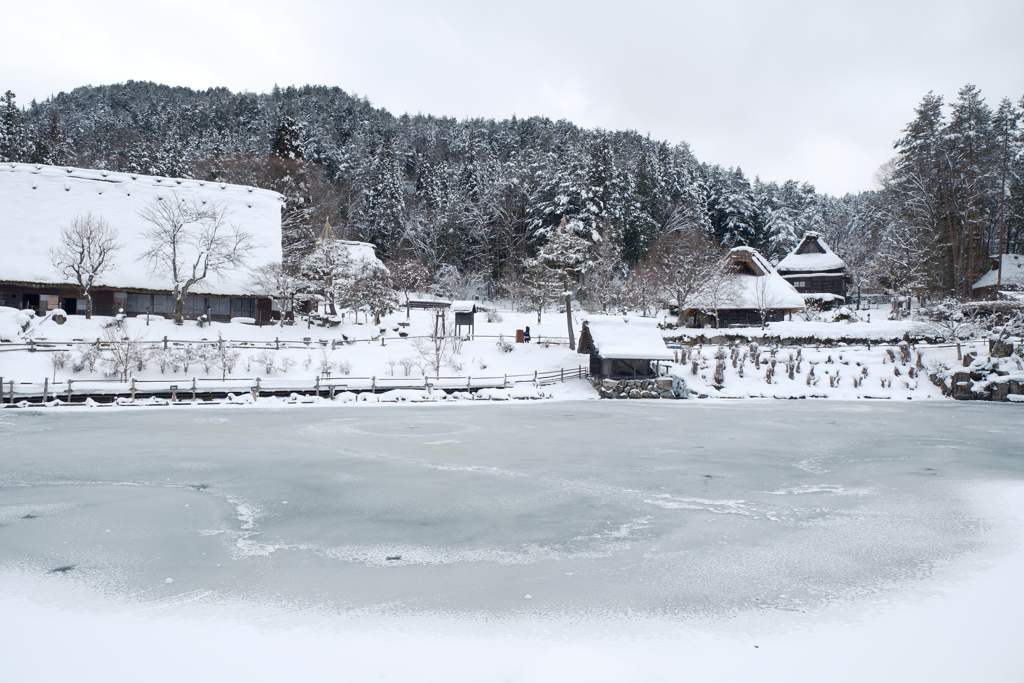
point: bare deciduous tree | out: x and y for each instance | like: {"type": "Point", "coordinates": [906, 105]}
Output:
{"type": "Point", "coordinates": [191, 241]}
{"type": "Point", "coordinates": [684, 261]}
{"type": "Point", "coordinates": [273, 281]}
{"type": "Point", "coordinates": [85, 253]}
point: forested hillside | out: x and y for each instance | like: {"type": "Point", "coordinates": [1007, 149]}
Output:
{"type": "Point", "coordinates": [481, 196]}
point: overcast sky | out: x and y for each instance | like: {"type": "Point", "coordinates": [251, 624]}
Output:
{"type": "Point", "coordinates": [813, 90]}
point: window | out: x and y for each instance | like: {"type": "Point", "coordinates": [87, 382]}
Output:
{"type": "Point", "coordinates": [220, 306]}
{"type": "Point", "coordinates": [137, 303]}
{"type": "Point", "coordinates": [799, 284]}
{"type": "Point", "coordinates": [163, 304]}
{"type": "Point", "coordinates": [243, 308]}
{"type": "Point", "coordinates": [195, 306]}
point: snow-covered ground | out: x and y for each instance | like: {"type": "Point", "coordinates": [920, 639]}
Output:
{"type": "Point", "coordinates": [385, 356]}
{"type": "Point", "coordinates": [577, 541]}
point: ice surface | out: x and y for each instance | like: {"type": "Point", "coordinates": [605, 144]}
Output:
{"type": "Point", "coordinates": [418, 517]}
{"type": "Point", "coordinates": [589, 508]}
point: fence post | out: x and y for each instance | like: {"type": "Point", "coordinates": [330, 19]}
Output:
{"type": "Point", "coordinates": [373, 386]}
{"type": "Point", "coordinates": [133, 388]}
{"type": "Point", "coordinates": [318, 386]}
{"type": "Point", "coordinates": [2, 390]}
{"type": "Point", "coordinates": [562, 370]}
{"type": "Point", "coordinates": [469, 383]}
{"type": "Point", "coordinates": [165, 342]}
{"type": "Point", "coordinates": [12, 391]}
{"type": "Point", "coordinates": [580, 372]}
{"type": "Point", "coordinates": [46, 388]}
{"type": "Point", "coordinates": [277, 343]}
{"type": "Point", "coordinates": [193, 388]}
{"type": "Point", "coordinates": [69, 389]}
{"type": "Point", "coordinates": [504, 382]}
{"type": "Point", "coordinates": [257, 395]}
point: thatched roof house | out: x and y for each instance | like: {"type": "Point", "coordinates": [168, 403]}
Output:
{"type": "Point", "coordinates": [990, 286]}
{"type": "Point", "coordinates": [621, 349]}
{"type": "Point", "coordinates": [37, 201]}
{"type": "Point", "coordinates": [748, 287]}
{"type": "Point", "coordinates": [814, 269]}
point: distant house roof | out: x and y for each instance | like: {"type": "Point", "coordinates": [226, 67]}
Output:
{"type": "Point", "coordinates": [754, 281]}
{"type": "Point", "coordinates": [36, 201]}
{"type": "Point", "coordinates": [623, 338]}
{"type": "Point", "coordinates": [1013, 273]}
{"type": "Point", "coordinates": [812, 255]}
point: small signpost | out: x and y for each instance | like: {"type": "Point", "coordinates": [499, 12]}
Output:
{"type": "Point", "coordinates": [174, 393]}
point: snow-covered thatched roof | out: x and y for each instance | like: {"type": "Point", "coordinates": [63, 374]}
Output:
{"type": "Point", "coordinates": [37, 201]}
{"type": "Point", "coordinates": [464, 306]}
{"type": "Point", "coordinates": [812, 255]}
{"type": "Point", "coordinates": [1013, 272]}
{"type": "Point", "coordinates": [753, 284]}
{"type": "Point", "coordinates": [623, 338]}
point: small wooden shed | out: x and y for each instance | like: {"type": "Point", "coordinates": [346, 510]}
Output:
{"type": "Point", "coordinates": [465, 313]}
{"type": "Point", "coordinates": [620, 349]}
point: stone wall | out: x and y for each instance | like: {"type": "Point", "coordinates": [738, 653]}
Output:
{"type": "Point", "coordinates": [660, 387]}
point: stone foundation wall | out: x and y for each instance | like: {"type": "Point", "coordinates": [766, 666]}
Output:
{"type": "Point", "coordinates": [661, 387]}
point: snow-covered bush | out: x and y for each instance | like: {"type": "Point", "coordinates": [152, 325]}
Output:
{"type": "Point", "coordinates": [58, 360]}
{"type": "Point", "coordinates": [166, 359]}
{"type": "Point", "coordinates": [286, 364]}
{"type": "Point", "coordinates": [89, 355]}
{"type": "Point", "coordinates": [407, 365]}
{"type": "Point", "coordinates": [185, 356]}
{"type": "Point", "coordinates": [123, 352]}
{"type": "Point", "coordinates": [454, 365]}
{"type": "Point", "coordinates": [226, 360]}
{"type": "Point", "coordinates": [345, 368]}
{"type": "Point", "coordinates": [494, 317]}
{"type": "Point", "coordinates": [266, 360]}
{"type": "Point", "coordinates": [719, 378]}
{"type": "Point", "coordinates": [207, 356]}
{"type": "Point", "coordinates": [504, 345]}
{"type": "Point", "coordinates": [326, 365]}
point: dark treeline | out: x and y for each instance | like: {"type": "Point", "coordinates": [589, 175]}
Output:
{"type": "Point", "coordinates": [480, 196]}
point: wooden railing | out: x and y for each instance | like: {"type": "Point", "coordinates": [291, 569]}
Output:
{"type": "Point", "coordinates": [70, 390]}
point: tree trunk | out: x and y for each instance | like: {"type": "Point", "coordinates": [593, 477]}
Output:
{"type": "Point", "coordinates": [88, 305]}
{"type": "Point", "coordinates": [568, 320]}
{"type": "Point", "coordinates": [179, 310]}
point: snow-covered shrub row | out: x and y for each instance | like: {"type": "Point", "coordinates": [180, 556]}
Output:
{"type": "Point", "coordinates": [901, 370]}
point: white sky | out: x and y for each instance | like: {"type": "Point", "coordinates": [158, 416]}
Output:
{"type": "Point", "coordinates": [810, 90]}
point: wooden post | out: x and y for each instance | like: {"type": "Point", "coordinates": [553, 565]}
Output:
{"type": "Point", "coordinates": [165, 342]}
{"type": "Point", "coordinates": [69, 390]}
{"type": "Point", "coordinates": [193, 389]}
{"type": "Point", "coordinates": [562, 370]}
{"type": "Point", "coordinates": [373, 385]}
{"type": "Point", "coordinates": [257, 388]}
{"type": "Point", "coordinates": [12, 391]}
{"type": "Point", "coordinates": [318, 386]}
{"type": "Point", "coordinates": [133, 388]}
{"type": "Point", "coordinates": [2, 390]}
{"type": "Point", "coordinates": [504, 382]}
{"type": "Point", "coordinates": [46, 388]}
{"type": "Point", "coordinates": [277, 343]}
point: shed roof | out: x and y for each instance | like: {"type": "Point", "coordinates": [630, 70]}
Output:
{"type": "Point", "coordinates": [464, 306]}
{"type": "Point", "coordinates": [1013, 273]}
{"type": "Point", "coordinates": [810, 256]}
{"type": "Point", "coordinates": [36, 201]}
{"type": "Point", "coordinates": [623, 338]}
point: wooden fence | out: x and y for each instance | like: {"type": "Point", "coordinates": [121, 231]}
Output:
{"type": "Point", "coordinates": [196, 388]}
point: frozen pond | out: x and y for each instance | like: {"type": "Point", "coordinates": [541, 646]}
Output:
{"type": "Point", "coordinates": [591, 508]}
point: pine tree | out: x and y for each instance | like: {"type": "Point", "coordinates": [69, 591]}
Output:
{"type": "Point", "coordinates": [383, 217]}
{"type": "Point", "coordinates": [15, 144]}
